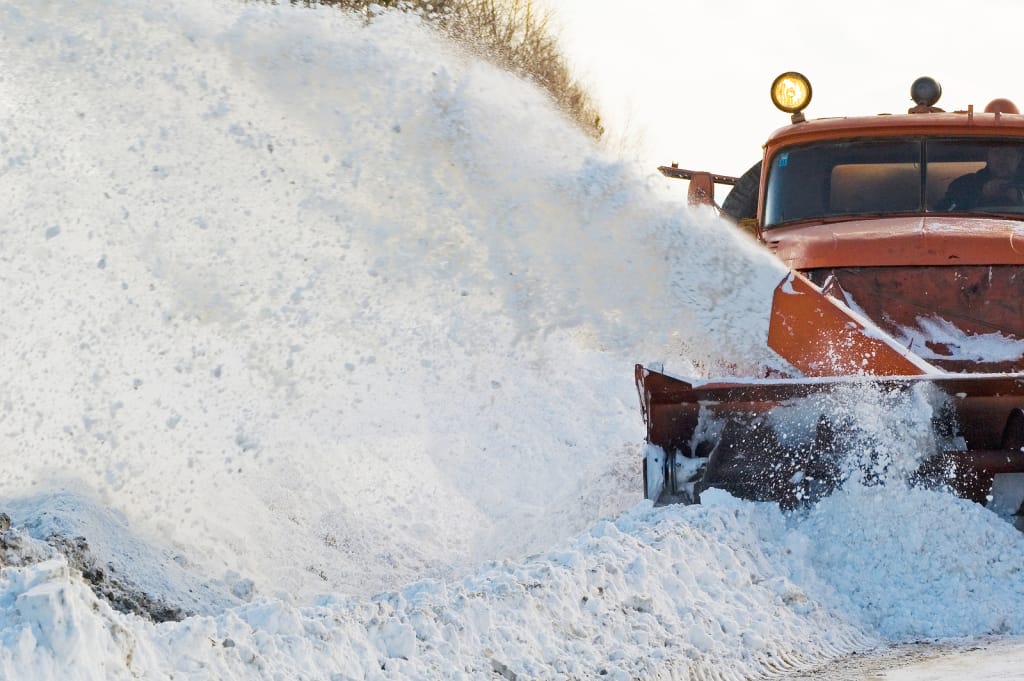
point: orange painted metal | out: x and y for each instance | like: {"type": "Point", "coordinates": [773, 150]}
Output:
{"type": "Point", "coordinates": [821, 336]}
{"type": "Point", "coordinates": [955, 124]}
{"type": "Point", "coordinates": [1002, 105]}
{"type": "Point", "coordinates": [879, 242]}
{"type": "Point", "coordinates": [701, 191]}
{"type": "Point", "coordinates": [910, 302]}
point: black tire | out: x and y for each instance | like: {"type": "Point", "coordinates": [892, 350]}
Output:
{"type": "Point", "coordinates": [741, 202]}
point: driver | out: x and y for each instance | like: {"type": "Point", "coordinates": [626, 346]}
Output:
{"type": "Point", "coordinates": [997, 184]}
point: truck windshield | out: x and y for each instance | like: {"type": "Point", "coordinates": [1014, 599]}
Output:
{"type": "Point", "coordinates": [894, 177]}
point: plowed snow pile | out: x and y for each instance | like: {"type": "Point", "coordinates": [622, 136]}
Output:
{"type": "Point", "coordinates": [320, 333]}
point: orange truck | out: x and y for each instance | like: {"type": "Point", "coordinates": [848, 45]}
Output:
{"type": "Point", "coordinates": [904, 235]}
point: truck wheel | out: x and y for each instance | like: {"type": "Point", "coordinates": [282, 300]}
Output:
{"type": "Point", "coordinates": [741, 202]}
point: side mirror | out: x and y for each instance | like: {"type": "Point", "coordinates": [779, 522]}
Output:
{"type": "Point", "coordinates": [702, 190]}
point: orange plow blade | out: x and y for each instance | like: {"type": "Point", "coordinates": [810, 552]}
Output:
{"type": "Point", "coordinates": [822, 336]}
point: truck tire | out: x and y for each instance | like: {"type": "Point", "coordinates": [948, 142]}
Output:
{"type": "Point", "coordinates": [741, 202]}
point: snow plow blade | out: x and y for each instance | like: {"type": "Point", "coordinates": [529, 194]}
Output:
{"type": "Point", "coordinates": [743, 437]}
{"type": "Point", "coordinates": [821, 336]}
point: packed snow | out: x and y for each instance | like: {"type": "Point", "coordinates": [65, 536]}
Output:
{"type": "Point", "coordinates": [318, 337]}
{"type": "Point", "coordinates": [933, 331]}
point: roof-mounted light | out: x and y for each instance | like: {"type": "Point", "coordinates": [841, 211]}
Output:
{"type": "Point", "coordinates": [791, 92]}
{"type": "Point", "coordinates": [1001, 105]}
{"type": "Point", "coordinates": [925, 92]}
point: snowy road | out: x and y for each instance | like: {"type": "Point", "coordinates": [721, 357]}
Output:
{"type": "Point", "coordinates": [983, 659]}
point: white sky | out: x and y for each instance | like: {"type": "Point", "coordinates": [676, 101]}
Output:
{"type": "Point", "coordinates": [324, 332]}
{"type": "Point", "coordinates": [692, 76]}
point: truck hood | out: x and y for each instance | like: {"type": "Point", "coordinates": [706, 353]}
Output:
{"type": "Point", "coordinates": [876, 242]}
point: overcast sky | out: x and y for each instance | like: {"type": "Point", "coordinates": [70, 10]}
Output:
{"type": "Point", "coordinates": [688, 80]}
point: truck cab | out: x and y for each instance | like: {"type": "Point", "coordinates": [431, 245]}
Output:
{"type": "Point", "coordinates": [916, 220]}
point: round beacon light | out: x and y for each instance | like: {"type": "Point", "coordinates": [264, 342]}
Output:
{"type": "Point", "coordinates": [1001, 105]}
{"type": "Point", "coordinates": [791, 92]}
{"type": "Point", "coordinates": [925, 91]}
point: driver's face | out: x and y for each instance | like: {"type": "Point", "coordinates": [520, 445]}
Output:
{"type": "Point", "coordinates": [1003, 161]}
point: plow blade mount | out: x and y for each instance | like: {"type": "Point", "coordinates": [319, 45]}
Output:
{"type": "Point", "coordinates": [784, 440]}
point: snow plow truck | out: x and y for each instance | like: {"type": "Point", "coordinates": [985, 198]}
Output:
{"type": "Point", "coordinates": [904, 239]}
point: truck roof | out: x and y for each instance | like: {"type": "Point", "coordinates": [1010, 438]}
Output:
{"type": "Point", "coordinates": [957, 124]}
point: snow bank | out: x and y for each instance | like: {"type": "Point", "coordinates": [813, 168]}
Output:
{"type": "Point", "coordinates": [667, 593]}
{"type": "Point", "coordinates": [270, 263]}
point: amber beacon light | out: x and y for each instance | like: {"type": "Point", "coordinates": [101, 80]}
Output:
{"type": "Point", "coordinates": [791, 92]}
